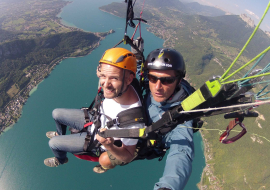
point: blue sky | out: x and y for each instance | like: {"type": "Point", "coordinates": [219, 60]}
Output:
{"type": "Point", "coordinates": [253, 8]}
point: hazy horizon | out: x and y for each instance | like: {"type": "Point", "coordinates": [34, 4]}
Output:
{"type": "Point", "coordinates": [253, 9]}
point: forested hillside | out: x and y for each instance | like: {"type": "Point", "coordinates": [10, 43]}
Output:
{"type": "Point", "coordinates": [232, 31]}
{"type": "Point", "coordinates": [18, 57]}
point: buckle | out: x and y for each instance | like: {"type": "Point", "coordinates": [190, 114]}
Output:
{"type": "Point", "coordinates": [87, 138]}
{"type": "Point", "coordinates": [116, 121]}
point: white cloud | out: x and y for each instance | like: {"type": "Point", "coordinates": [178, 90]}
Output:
{"type": "Point", "coordinates": [236, 5]}
{"type": "Point", "coordinates": [252, 13]}
{"type": "Point", "coordinates": [267, 26]}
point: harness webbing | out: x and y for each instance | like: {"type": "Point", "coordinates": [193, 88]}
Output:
{"type": "Point", "coordinates": [139, 24]}
{"type": "Point", "coordinates": [125, 118]}
{"type": "Point", "coordinates": [171, 118]}
{"type": "Point", "coordinates": [86, 116]}
{"type": "Point", "coordinates": [90, 143]}
{"type": "Point", "coordinates": [223, 137]}
{"type": "Point", "coordinates": [128, 117]}
{"type": "Point", "coordinates": [129, 15]}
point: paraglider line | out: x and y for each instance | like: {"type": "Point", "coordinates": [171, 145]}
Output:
{"type": "Point", "coordinates": [255, 30]}
{"type": "Point", "coordinates": [251, 77]}
{"type": "Point", "coordinates": [259, 55]}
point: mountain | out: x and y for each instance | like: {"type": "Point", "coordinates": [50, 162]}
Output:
{"type": "Point", "coordinates": [232, 31]}
{"type": "Point", "coordinates": [196, 8]}
{"type": "Point", "coordinates": [221, 33]}
{"type": "Point", "coordinates": [168, 3]}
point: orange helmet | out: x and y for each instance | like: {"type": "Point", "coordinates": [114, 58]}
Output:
{"type": "Point", "coordinates": [120, 57]}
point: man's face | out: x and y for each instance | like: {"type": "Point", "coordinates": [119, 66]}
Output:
{"type": "Point", "coordinates": [161, 92]}
{"type": "Point", "coordinates": [111, 80]}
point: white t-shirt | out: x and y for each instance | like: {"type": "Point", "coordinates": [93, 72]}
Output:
{"type": "Point", "coordinates": [111, 108]}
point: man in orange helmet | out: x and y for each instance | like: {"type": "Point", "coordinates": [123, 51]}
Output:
{"type": "Point", "coordinates": [117, 69]}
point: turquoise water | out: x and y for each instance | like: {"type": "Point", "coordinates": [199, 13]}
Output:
{"type": "Point", "coordinates": [73, 84]}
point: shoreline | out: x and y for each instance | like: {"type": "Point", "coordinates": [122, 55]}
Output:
{"type": "Point", "coordinates": [34, 84]}
{"type": "Point", "coordinates": [51, 67]}
{"type": "Point", "coordinates": [200, 184]}
{"type": "Point", "coordinates": [208, 171]}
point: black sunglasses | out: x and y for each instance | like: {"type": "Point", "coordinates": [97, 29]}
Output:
{"type": "Point", "coordinates": [163, 80]}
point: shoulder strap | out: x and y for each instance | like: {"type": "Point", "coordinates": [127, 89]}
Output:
{"type": "Point", "coordinates": [128, 117]}
{"type": "Point", "coordinates": [136, 85]}
{"type": "Point", "coordinates": [90, 143]}
{"type": "Point", "coordinates": [197, 122]}
{"type": "Point", "coordinates": [190, 89]}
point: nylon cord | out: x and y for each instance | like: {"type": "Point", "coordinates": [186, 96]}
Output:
{"type": "Point", "coordinates": [263, 52]}
{"type": "Point", "coordinates": [227, 107]}
{"type": "Point", "coordinates": [255, 30]}
{"type": "Point", "coordinates": [222, 131]}
{"type": "Point", "coordinates": [251, 77]}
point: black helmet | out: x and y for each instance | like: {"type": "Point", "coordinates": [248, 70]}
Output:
{"type": "Point", "coordinates": [166, 59]}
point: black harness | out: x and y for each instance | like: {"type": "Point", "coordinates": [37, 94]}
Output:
{"type": "Point", "coordinates": [123, 119]}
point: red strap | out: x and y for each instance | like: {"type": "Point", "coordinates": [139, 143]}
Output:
{"type": "Point", "coordinates": [255, 106]}
{"type": "Point", "coordinates": [87, 157]}
{"type": "Point", "coordinates": [223, 138]}
{"type": "Point", "coordinates": [139, 24]}
{"type": "Point", "coordinates": [99, 89]}
{"type": "Point", "coordinates": [87, 124]}
{"type": "Point", "coordinates": [135, 31]}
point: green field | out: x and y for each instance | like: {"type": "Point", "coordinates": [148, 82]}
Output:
{"type": "Point", "coordinates": [33, 17]}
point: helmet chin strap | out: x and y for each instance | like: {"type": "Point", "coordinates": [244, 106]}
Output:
{"type": "Point", "coordinates": [123, 79]}
{"type": "Point", "coordinates": [176, 89]}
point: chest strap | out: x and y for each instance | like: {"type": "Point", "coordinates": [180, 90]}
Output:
{"type": "Point", "coordinates": [127, 117]}
{"type": "Point", "coordinates": [124, 118]}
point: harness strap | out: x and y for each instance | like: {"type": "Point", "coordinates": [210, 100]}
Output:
{"type": "Point", "coordinates": [129, 15]}
{"type": "Point", "coordinates": [123, 133]}
{"type": "Point", "coordinates": [87, 124]}
{"type": "Point", "coordinates": [128, 117]}
{"type": "Point", "coordinates": [88, 140]}
{"type": "Point", "coordinates": [94, 144]}
{"type": "Point", "coordinates": [86, 116]}
{"type": "Point", "coordinates": [223, 138]}
{"type": "Point", "coordinates": [122, 92]}
{"type": "Point", "coordinates": [90, 143]}
{"type": "Point", "coordinates": [171, 118]}
{"type": "Point", "coordinates": [125, 118]}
